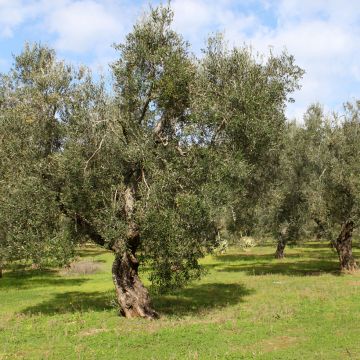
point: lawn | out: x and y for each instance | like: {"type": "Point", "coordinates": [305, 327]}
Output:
{"type": "Point", "coordinates": [248, 306]}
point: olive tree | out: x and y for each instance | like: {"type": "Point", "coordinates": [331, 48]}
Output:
{"type": "Point", "coordinates": [140, 181]}
{"type": "Point", "coordinates": [290, 209]}
{"type": "Point", "coordinates": [318, 183]}
{"type": "Point", "coordinates": [339, 208]}
{"type": "Point", "coordinates": [332, 190]}
{"type": "Point", "coordinates": [145, 170]}
{"type": "Point", "coordinates": [34, 99]}
{"type": "Point", "coordinates": [169, 150]}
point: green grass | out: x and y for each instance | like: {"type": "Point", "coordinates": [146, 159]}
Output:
{"type": "Point", "coordinates": [249, 306]}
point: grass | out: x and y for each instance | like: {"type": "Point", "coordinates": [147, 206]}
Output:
{"type": "Point", "coordinates": [249, 306]}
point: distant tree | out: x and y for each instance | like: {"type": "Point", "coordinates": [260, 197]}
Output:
{"type": "Point", "coordinates": [339, 207]}
{"type": "Point", "coordinates": [318, 183]}
{"type": "Point", "coordinates": [146, 172]}
{"type": "Point", "coordinates": [291, 208]}
{"type": "Point", "coordinates": [286, 206]}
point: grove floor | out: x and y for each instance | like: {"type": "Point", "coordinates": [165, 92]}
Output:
{"type": "Point", "coordinates": [248, 306]}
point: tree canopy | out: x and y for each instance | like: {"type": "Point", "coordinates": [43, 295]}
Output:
{"type": "Point", "coordinates": [146, 170]}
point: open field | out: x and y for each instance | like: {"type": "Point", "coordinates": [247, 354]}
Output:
{"type": "Point", "coordinates": [248, 306]}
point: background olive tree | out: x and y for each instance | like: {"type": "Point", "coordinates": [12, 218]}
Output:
{"type": "Point", "coordinates": [35, 100]}
{"type": "Point", "coordinates": [339, 206]}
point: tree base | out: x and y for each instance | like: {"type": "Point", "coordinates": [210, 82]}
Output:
{"type": "Point", "coordinates": [343, 247]}
{"type": "Point", "coordinates": [131, 294]}
{"type": "Point", "coordinates": [279, 253]}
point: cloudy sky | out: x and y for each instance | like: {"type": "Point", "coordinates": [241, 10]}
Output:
{"type": "Point", "coordinates": [323, 35]}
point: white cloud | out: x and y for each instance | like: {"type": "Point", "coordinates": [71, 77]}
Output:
{"type": "Point", "coordinates": [84, 26]}
{"type": "Point", "coordinates": [323, 35]}
{"type": "Point", "coordinates": [196, 19]}
{"type": "Point", "coordinates": [11, 15]}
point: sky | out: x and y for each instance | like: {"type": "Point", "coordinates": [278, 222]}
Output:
{"type": "Point", "coordinates": [323, 35]}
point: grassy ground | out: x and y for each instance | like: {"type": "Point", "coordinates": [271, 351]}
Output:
{"type": "Point", "coordinates": [249, 306]}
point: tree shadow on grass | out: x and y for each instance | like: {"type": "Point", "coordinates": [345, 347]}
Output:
{"type": "Point", "coordinates": [34, 278]}
{"type": "Point", "coordinates": [190, 301]}
{"type": "Point", "coordinates": [309, 259]}
{"type": "Point", "coordinates": [322, 252]}
{"type": "Point", "coordinates": [316, 245]}
{"type": "Point", "coordinates": [91, 252]}
{"type": "Point", "coordinates": [243, 257]}
{"type": "Point", "coordinates": [284, 267]}
{"type": "Point", "coordinates": [71, 302]}
{"type": "Point", "coordinates": [200, 299]}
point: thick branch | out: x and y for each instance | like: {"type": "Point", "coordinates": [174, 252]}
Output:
{"type": "Point", "coordinates": [89, 230]}
{"type": "Point", "coordinates": [85, 226]}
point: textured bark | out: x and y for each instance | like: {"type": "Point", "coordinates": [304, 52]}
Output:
{"type": "Point", "coordinates": [343, 247]}
{"type": "Point", "coordinates": [279, 253]}
{"type": "Point", "coordinates": [320, 229]}
{"type": "Point", "coordinates": [131, 294]}
{"type": "Point", "coordinates": [1, 271]}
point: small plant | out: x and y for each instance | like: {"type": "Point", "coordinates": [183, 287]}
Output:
{"type": "Point", "coordinates": [247, 242]}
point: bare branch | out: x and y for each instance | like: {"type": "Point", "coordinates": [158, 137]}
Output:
{"type": "Point", "coordinates": [145, 182]}
{"type": "Point", "coordinates": [95, 152]}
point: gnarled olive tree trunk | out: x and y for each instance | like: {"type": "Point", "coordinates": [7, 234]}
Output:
{"type": "Point", "coordinates": [343, 246]}
{"type": "Point", "coordinates": [131, 294]}
{"type": "Point", "coordinates": [282, 240]}
{"type": "Point", "coordinates": [279, 253]}
{"type": "Point", "coordinates": [1, 268]}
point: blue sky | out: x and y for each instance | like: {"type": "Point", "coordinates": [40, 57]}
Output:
{"type": "Point", "coordinates": [323, 35]}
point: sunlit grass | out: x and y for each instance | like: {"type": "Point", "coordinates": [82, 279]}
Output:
{"type": "Point", "coordinates": [248, 306]}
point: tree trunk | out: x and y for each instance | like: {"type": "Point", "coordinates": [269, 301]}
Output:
{"type": "Point", "coordinates": [131, 294]}
{"type": "Point", "coordinates": [320, 229]}
{"type": "Point", "coordinates": [279, 253]}
{"type": "Point", "coordinates": [343, 247]}
{"type": "Point", "coordinates": [1, 272]}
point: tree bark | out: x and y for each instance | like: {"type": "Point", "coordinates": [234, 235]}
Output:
{"type": "Point", "coordinates": [320, 229]}
{"type": "Point", "coordinates": [131, 294]}
{"type": "Point", "coordinates": [343, 247]}
{"type": "Point", "coordinates": [279, 253]}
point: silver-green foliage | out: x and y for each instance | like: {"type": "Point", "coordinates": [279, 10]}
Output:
{"type": "Point", "coordinates": [188, 136]}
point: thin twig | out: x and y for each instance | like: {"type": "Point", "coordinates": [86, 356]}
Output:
{"type": "Point", "coordinates": [322, 174]}
{"type": "Point", "coordinates": [145, 182]}
{"type": "Point", "coordinates": [95, 152]}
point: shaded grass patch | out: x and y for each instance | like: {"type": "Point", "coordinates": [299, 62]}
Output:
{"type": "Point", "coordinates": [201, 299]}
